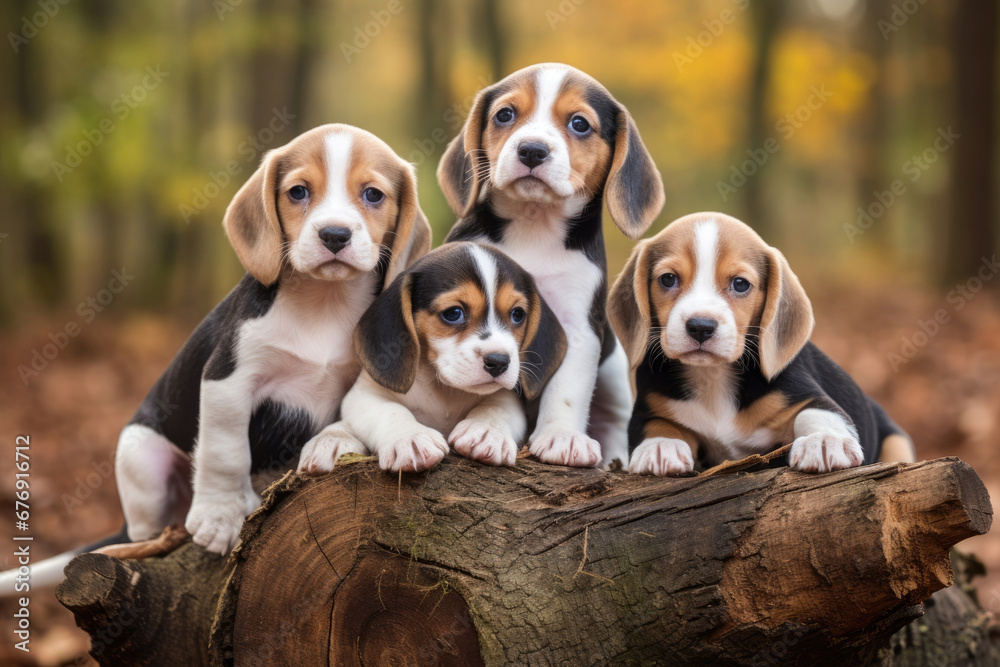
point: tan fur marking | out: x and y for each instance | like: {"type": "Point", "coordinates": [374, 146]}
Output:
{"type": "Point", "coordinates": [302, 163]}
{"type": "Point", "coordinates": [429, 325]}
{"type": "Point", "coordinates": [897, 448]}
{"type": "Point", "coordinates": [590, 156]}
{"type": "Point", "coordinates": [521, 97]}
{"type": "Point", "coordinates": [675, 254]}
{"type": "Point", "coordinates": [507, 298]}
{"type": "Point", "coordinates": [771, 412]}
{"type": "Point", "coordinates": [661, 428]}
{"type": "Point", "coordinates": [373, 168]}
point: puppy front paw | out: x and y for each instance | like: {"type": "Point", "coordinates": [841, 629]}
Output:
{"type": "Point", "coordinates": [823, 452]}
{"type": "Point", "coordinates": [484, 443]}
{"type": "Point", "coordinates": [320, 454]}
{"type": "Point", "coordinates": [663, 457]}
{"type": "Point", "coordinates": [565, 447]}
{"type": "Point", "coordinates": [215, 524]}
{"type": "Point", "coordinates": [415, 452]}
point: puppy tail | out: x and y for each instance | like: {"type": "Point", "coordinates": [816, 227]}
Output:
{"type": "Point", "coordinates": [49, 572]}
{"type": "Point", "coordinates": [894, 444]}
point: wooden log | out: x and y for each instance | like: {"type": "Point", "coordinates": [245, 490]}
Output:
{"type": "Point", "coordinates": [467, 565]}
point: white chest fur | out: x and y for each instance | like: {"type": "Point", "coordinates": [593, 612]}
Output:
{"type": "Point", "coordinates": [566, 278]}
{"type": "Point", "coordinates": [436, 405]}
{"type": "Point", "coordinates": [299, 353]}
{"type": "Point", "coordinates": [711, 414]}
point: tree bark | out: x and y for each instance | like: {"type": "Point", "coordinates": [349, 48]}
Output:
{"type": "Point", "coordinates": [539, 565]}
{"type": "Point", "coordinates": [972, 233]}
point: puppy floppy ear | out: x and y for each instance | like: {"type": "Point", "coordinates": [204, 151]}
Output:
{"type": "Point", "coordinates": [628, 304]}
{"type": "Point", "coordinates": [543, 348]}
{"type": "Point", "coordinates": [411, 239]}
{"type": "Point", "coordinates": [385, 339]}
{"type": "Point", "coordinates": [460, 166]}
{"type": "Point", "coordinates": [252, 224]}
{"type": "Point", "coordinates": [787, 320]}
{"type": "Point", "coordinates": [634, 189]}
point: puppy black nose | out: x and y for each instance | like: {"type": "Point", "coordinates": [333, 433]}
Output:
{"type": "Point", "coordinates": [701, 328]}
{"type": "Point", "coordinates": [495, 363]}
{"type": "Point", "coordinates": [335, 238]}
{"type": "Point", "coordinates": [532, 153]}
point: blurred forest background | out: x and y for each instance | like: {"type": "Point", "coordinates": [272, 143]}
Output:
{"type": "Point", "coordinates": [860, 136]}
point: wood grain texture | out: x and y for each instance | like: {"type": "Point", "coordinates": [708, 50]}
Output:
{"type": "Point", "coordinates": [540, 565]}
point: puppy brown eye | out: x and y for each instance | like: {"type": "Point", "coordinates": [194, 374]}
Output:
{"type": "Point", "coordinates": [579, 125]}
{"type": "Point", "coordinates": [668, 280]}
{"type": "Point", "coordinates": [517, 315]}
{"type": "Point", "coordinates": [298, 193]}
{"type": "Point", "coordinates": [453, 315]}
{"type": "Point", "coordinates": [505, 116]}
{"type": "Point", "coordinates": [373, 195]}
{"type": "Point", "coordinates": [740, 285]}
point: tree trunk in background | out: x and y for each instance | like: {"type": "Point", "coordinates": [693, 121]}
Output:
{"type": "Point", "coordinates": [972, 233]}
{"type": "Point", "coordinates": [433, 98]}
{"type": "Point", "coordinates": [495, 39]}
{"type": "Point", "coordinates": [433, 93]}
{"type": "Point", "coordinates": [11, 257]}
{"type": "Point", "coordinates": [875, 145]}
{"type": "Point", "coordinates": [766, 19]}
{"type": "Point", "coordinates": [44, 265]}
{"type": "Point", "coordinates": [105, 206]}
{"type": "Point", "coordinates": [192, 269]}
{"type": "Point", "coordinates": [306, 56]}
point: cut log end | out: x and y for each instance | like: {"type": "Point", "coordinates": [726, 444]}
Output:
{"type": "Point", "coordinates": [397, 613]}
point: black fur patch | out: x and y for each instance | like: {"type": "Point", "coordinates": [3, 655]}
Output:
{"type": "Point", "coordinates": [607, 110]}
{"type": "Point", "coordinates": [481, 224]}
{"type": "Point", "coordinates": [638, 182]}
{"type": "Point", "coordinates": [249, 300]}
{"type": "Point", "coordinates": [276, 434]}
{"type": "Point", "coordinates": [811, 376]}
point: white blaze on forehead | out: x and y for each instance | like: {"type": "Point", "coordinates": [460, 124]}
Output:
{"type": "Point", "coordinates": [487, 267]}
{"type": "Point", "coordinates": [548, 83]}
{"type": "Point", "coordinates": [703, 299]}
{"type": "Point", "coordinates": [337, 207]}
{"type": "Point", "coordinates": [706, 244]}
{"type": "Point", "coordinates": [338, 165]}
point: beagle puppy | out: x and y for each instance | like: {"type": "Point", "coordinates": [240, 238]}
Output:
{"type": "Point", "coordinates": [320, 227]}
{"type": "Point", "coordinates": [717, 330]}
{"type": "Point", "coordinates": [445, 350]}
{"type": "Point", "coordinates": [540, 155]}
